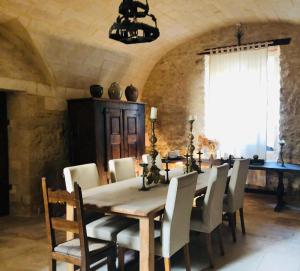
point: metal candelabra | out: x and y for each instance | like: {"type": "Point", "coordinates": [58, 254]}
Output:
{"type": "Point", "coordinates": [187, 163]}
{"type": "Point", "coordinates": [167, 179]}
{"type": "Point", "coordinates": [153, 174]}
{"type": "Point", "coordinates": [200, 160]}
{"type": "Point", "coordinates": [144, 175]}
{"type": "Point", "coordinates": [192, 166]}
{"type": "Point", "coordinates": [280, 160]}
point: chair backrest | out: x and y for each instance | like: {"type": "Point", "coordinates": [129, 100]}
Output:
{"type": "Point", "coordinates": [177, 215]}
{"type": "Point", "coordinates": [122, 169]}
{"type": "Point", "coordinates": [213, 200]}
{"type": "Point", "coordinates": [236, 188]}
{"type": "Point", "coordinates": [85, 175]}
{"type": "Point", "coordinates": [147, 159]}
{"type": "Point", "coordinates": [54, 224]}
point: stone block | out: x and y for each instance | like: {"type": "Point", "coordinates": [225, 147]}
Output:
{"type": "Point", "coordinates": [55, 104]}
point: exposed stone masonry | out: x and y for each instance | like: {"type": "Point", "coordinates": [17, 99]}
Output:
{"type": "Point", "coordinates": [176, 86]}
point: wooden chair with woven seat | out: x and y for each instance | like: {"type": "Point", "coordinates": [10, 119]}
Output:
{"type": "Point", "coordinates": [83, 252]}
{"type": "Point", "coordinates": [99, 226]}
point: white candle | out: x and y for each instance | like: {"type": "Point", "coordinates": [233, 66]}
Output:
{"type": "Point", "coordinates": [191, 117]}
{"type": "Point", "coordinates": [153, 114]}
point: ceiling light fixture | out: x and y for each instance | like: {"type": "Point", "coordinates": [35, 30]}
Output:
{"type": "Point", "coordinates": [128, 28]}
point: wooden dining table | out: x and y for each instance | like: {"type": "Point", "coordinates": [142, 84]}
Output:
{"type": "Point", "coordinates": [124, 199]}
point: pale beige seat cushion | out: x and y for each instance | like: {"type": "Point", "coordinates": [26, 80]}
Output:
{"type": "Point", "coordinates": [130, 237]}
{"type": "Point", "coordinates": [234, 198]}
{"type": "Point", "coordinates": [173, 233]}
{"type": "Point", "coordinates": [208, 216]}
{"type": "Point", "coordinates": [122, 169]}
{"type": "Point", "coordinates": [107, 228]}
{"type": "Point", "coordinates": [72, 247]}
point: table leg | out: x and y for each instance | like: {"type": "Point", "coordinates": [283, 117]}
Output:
{"type": "Point", "coordinates": [70, 235]}
{"type": "Point", "coordinates": [280, 192]}
{"type": "Point", "coordinates": [147, 243]}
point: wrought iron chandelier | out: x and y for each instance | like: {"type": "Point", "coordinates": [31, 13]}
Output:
{"type": "Point", "coordinates": [128, 28]}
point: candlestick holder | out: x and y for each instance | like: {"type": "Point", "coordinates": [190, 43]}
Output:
{"type": "Point", "coordinates": [186, 162]}
{"type": "Point", "coordinates": [153, 174]}
{"type": "Point", "coordinates": [280, 159]}
{"type": "Point", "coordinates": [144, 166]}
{"type": "Point", "coordinates": [192, 166]}
{"type": "Point", "coordinates": [167, 179]}
{"type": "Point", "coordinates": [200, 161]}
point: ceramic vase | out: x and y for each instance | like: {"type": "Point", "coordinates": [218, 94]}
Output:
{"type": "Point", "coordinates": [131, 93]}
{"type": "Point", "coordinates": [96, 91]}
{"type": "Point", "coordinates": [114, 91]}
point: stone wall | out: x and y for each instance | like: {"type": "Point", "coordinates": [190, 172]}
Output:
{"type": "Point", "coordinates": [176, 85]}
{"type": "Point", "coordinates": [36, 148]}
{"type": "Point", "coordinates": [40, 71]}
{"type": "Point", "coordinates": [37, 131]}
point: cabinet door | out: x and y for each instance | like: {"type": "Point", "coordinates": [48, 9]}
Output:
{"type": "Point", "coordinates": [114, 133]}
{"type": "Point", "coordinates": [131, 133]}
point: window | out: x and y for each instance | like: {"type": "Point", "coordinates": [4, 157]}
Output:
{"type": "Point", "coordinates": [242, 102]}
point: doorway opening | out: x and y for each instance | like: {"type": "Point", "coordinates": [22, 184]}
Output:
{"type": "Point", "coordinates": [4, 178]}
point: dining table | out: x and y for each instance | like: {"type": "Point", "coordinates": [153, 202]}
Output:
{"type": "Point", "coordinates": [280, 169]}
{"type": "Point", "coordinates": [124, 198]}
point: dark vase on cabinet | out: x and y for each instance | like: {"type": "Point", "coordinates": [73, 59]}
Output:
{"type": "Point", "coordinates": [102, 129]}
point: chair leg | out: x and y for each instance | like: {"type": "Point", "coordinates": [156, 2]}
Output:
{"type": "Point", "coordinates": [111, 261]}
{"type": "Point", "coordinates": [234, 219]}
{"type": "Point", "coordinates": [121, 256]}
{"type": "Point", "coordinates": [242, 220]}
{"type": "Point", "coordinates": [187, 259]}
{"type": "Point", "coordinates": [232, 225]}
{"type": "Point", "coordinates": [209, 249]}
{"type": "Point", "coordinates": [167, 264]}
{"type": "Point", "coordinates": [220, 239]}
{"type": "Point", "coordinates": [52, 265]}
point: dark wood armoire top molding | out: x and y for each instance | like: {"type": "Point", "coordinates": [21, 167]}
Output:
{"type": "Point", "coordinates": [107, 100]}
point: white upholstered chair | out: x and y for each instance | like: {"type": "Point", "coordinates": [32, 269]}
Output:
{"type": "Point", "coordinates": [122, 169]}
{"type": "Point", "coordinates": [172, 233]}
{"type": "Point", "coordinates": [85, 175]}
{"type": "Point", "coordinates": [208, 217]}
{"type": "Point", "coordinates": [99, 226]}
{"type": "Point", "coordinates": [172, 173]}
{"type": "Point", "coordinates": [234, 199]}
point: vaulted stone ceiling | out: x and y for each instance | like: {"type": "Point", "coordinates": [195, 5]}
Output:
{"type": "Point", "coordinates": [71, 37]}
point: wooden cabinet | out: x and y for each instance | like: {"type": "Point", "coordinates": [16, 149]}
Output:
{"type": "Point", "coordinates": [102, 129]}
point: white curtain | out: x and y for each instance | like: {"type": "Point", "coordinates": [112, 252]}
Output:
{"type": "Point", "coordinates": [236, 102]}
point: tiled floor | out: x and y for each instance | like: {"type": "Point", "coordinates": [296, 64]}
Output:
{"type": "Point", "coordinates": [272, 243]}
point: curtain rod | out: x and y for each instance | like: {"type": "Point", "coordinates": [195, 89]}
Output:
{"type": "Point", "coordinates": [275, 42]}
